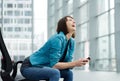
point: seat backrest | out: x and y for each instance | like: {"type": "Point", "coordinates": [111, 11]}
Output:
{"type": "Point", "coordinates": [6, 60]}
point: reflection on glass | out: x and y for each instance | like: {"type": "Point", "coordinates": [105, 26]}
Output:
{"type": "Point", "coordinates": [84, 13]}
{"type": "Point", "coordinates": [103, 24]}
{"type": "Point", "coordinates": [102, 6]}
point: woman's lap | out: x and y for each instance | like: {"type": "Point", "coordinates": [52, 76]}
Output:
{"type": "Point", "coordinates": [36, 73]}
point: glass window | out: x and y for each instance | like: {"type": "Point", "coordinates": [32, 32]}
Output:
{"type": "Point", "coordinates": [28, 13]}
{"type": "Point", "coordinates": [112, 26]}
{"type": "Point", "coordinates": [112, 47]}
{"type": "Point", "coordinates": [5, 28]}
{"type": "Point", "coordinates": [15, 46]}
{"type": "Point", "coordinates": [102, 6]}
{"type": "Point", "coordinates": [15, 57]}
{"type": "Point", "coordinates": [52, 9]}
{"type": "Point", "coordinates": [30, 29]}
{"type": "Point", "coordinates": [59, 3]}
{"type": "Point", "coordinates": [52, 20]}
{"type": "Point", "coordinates": [21, 57]}
{"type": "Point", "coordinates": [20, 5]}
{"type": "Point", "coordinates": [9, 13]}
{"type": "Point", "coordinates": [59, 14]}
{"type": "Point", "coordinates": [15, 6]}
{"type": "Point", "coordinates": [112, 3]}
{"type": "Point", "coordinates": [9, 29]}
{"type": "Point", "coordinates": [20, 21]}
{"type": "Point", "coordinates": [103, 50]}
{"type": "Point", "coordinates": [83, 1]}
{"type": "Point", "coordinates": [84, 13]}
{"type": "Point", "coordinates": [31, 5]}
{"type": "Point", "coordinates": [10, 5]}
{"type": "Point", "coordinates": [103, 24]}
{"type": "Point", "coordinates": [103, 61]}
{"type": "Point", "coordinates": [18, 29]}
{"type": "Point", "coordinates": [0, 20]}
{"type": "Point", "coordinates": [17, 13]}
{"type": "Point", "coordinates": [102, 64]}
{"type": "Point", "coordinates": [82, 50]}
{"type": "Point", "coordinates": [70, 6]}
{"type": "Point", "coordinates": [112, 52]}
{"type": "Point", "coordinates": [86, 49]}
{"type": "Point", "coordinates": [17, 36]}
{"type": "Point", "coordinates": [6, 20]}
{"type": "Point", "coordinates": [84, 32]}
{"type": "Point", "coordinates": [52, 1]}
{"type": "Point", "coordinates": [23, 46]}
{"type": "Point", "coordinates": [27, 21]}
{"type": "Point", "coordinates": [0, 5]}
{"type": "Point", "coordinates": [5, 12]}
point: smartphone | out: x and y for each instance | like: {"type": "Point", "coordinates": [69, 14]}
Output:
{"type": "Point", "coordinates": [88, 58]}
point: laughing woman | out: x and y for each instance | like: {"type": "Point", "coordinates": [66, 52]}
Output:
{"type": "Point", "coordinates": [54, 59]}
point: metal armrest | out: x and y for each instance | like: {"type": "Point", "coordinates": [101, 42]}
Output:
{"type": "Point", "coordinates": [15, 68]}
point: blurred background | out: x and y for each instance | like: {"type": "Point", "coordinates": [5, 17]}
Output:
{"type": "Point", "coordinates": [27, 24]}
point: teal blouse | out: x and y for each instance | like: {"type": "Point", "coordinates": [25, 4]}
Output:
{"type": "Point", "coordinates": [52, 51]}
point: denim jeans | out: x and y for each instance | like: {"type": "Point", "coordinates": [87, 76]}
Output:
{"type": "Point", "coordinates": [36, 73]}
{"type": "Point", "coordinates": [43, 73]}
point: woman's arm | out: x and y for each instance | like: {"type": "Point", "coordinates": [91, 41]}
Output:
{"type": "Point", "coordinates": [65, 65]}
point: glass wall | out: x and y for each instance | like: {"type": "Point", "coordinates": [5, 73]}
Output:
{"type": "Point", "coordinates": [106, 48]}
{"type": "Point", "coordinates": [95, 34]}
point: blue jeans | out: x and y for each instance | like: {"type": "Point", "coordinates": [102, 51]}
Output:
{"type": "Point", "coordinates": [36, 73]}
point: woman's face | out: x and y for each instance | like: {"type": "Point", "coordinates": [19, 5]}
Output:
{"type": "Point", "coordinates": [71, 25]}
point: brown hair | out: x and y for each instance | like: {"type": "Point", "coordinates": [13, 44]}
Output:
{"type": "Point", "coordinates": [61, 26]}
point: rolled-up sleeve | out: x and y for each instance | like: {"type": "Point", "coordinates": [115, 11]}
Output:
{"type": "Point", "coordinates": [55, 51]}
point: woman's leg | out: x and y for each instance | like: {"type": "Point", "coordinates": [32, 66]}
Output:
{"type": "Point", "coordinates": [67, 75]}
{"type": "Point", "coordinates": [36, 73]}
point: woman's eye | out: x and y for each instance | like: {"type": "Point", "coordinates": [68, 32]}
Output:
{"type": "Point", "coordinates": [70, 20]}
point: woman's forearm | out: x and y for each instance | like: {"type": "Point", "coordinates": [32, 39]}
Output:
{"type": "Point", "coordinates": [64, 65]}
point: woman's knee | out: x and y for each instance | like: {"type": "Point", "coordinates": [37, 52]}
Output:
{"type": "Point", "coordinates": [67, 73]}
{"type": "Point", "coordinates": [56, 73]}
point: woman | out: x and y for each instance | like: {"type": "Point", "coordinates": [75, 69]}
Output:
{"type": "Point", "coordinates": [48, 61]}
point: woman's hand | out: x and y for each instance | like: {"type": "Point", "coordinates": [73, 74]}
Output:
{"type": "Point", "coordinates": [81, 62]}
